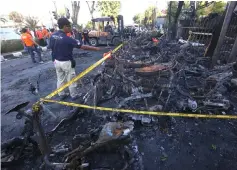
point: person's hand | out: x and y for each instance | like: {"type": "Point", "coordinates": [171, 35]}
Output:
{"type": "Point", "coordinates": [97, 49]}
{"type": "Point", "coordinates": [91, 48]}
{"type": "Point", "coordinates": [44, 48]}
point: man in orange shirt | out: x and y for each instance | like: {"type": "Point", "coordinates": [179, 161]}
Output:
{"type": "Point", "coordinates": [51, 32]}
{"type": "Point", "coordinates": [30, 45]}
{"type": "Point", "coordinates": [28, 31]}
{"type": "Point", "coordinates": [45, 34]}
{"type": "Point", "coordinates": [40, 37]}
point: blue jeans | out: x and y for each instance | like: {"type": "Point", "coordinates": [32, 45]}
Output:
{"type": "Point", "coordinates": [47, 41]}
{"type": "Point", "coordinates": [32, 54]}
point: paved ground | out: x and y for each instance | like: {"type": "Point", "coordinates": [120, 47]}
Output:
{"type": "Point", "coordinates": [15, 77]}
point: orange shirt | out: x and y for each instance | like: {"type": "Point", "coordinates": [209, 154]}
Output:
{"type": "Point", "coordinates": [45, 32]}
{"type": "Point", "coordinates": [39, 34]}
{"type": "Point", "coordinates": [27, 39]}
{"type": "Point", "coordinates": [69, 34]}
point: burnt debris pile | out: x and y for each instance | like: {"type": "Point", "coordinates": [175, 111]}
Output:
{"type": "Point", "coordinates": [166, 76]}
{"type": "Point", "coordinates": [148, 73]}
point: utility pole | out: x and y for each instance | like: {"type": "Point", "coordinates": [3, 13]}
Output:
{"type": "Point", "coordinates": [224, 28]}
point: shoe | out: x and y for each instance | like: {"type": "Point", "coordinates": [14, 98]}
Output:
{"type": "Point", "coordinates": [41, 62]}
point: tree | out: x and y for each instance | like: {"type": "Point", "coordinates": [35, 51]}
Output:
{"type": "Point", "coordinates": [174, 26]}
{"type": "Point", "coordinates": [91, 8]}
{"type": "Point", "coordinates": [138, 18]}
{"type": "Point", "coordinates": [16, 17]}
{"type": "Point", "coordinates": [75, 11]}
{"type": "Point", "coordinates": [204, 8]}
{"type": "Point", "coordinates": [89, 25]}
{"type": "Point", "coordinates": [147, 18]}
{"type": "Point", "coordinates": [31, 22]}
{"type": "Point", "coordinates": [61, 13]}
{"type": "Point", "coordinates": [109, 8]}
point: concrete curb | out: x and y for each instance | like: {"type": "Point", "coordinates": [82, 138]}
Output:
{"type": "Point", "coordinates": [15, 54]}
{"type": "Point", "coordinates": [18, 54]}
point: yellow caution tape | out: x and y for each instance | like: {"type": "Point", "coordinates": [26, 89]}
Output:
{"type": "Point", "coordinates": [82, 74]}
{"type": "Point", "coordinates": [141, 111]}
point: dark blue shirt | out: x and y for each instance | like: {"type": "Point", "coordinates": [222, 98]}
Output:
{"type": "Point", "coordinates": [62, 46]}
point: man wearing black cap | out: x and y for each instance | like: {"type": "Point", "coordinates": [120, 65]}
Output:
{"type": "Point", "coordinates": [62, 47]}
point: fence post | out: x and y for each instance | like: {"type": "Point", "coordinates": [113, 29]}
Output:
{"type": "Point", "coordinates": [233, 53]}
{"type": "Point", "coordinates": [224, 28]}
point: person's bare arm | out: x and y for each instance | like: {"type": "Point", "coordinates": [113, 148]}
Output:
{"type": "Point", "coordinates": [77, 44]}
{"type": "Point", "coordinates": [90, 48]}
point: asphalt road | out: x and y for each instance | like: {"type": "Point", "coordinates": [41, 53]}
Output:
{"type": "Point", "coordinates": [15, 77]}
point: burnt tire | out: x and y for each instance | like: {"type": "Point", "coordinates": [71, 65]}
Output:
{"type": "Point", "coordinates": [93, 42]}
{"type": "Point", "coordinates": [116, 41]}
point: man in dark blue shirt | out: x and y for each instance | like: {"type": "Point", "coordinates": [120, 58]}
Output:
{"type": "Point", "coordinates": [62, 47]}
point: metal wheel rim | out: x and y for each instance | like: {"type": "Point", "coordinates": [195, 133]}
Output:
{"type": "Point", "coordinates": [93, 42]}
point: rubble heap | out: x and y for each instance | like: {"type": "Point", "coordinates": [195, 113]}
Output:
{"type": "Point", "coordinates": [145, 75]}
{"type": "Point", "coordinates": [168, 76]}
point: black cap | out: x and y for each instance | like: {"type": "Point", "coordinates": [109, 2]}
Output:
{"type": "Point", "coordinates": [23, 30]}
{"type": "Point", "coordinates": [62, 22]}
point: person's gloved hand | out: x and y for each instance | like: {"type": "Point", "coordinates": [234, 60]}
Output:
{"type": "Point", "coordinates": [44, 48]}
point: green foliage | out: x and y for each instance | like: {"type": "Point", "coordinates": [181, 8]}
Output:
{"type": "Point", "coordinates": [186, 4]}
{"type": "Point", "coordinates": [79, 27]}
{"type": "Point", "coordinates": [148, 16]}
{"type": "Point", "coordinates": [89, 25]}
{"type": "Point", "coordinates": [215, 7]}
{"type": "Point", "coordinates": [62, 12]}
{"type": "Point", "coordinates": [11, 46]}
{"type": "Point", "coordinates": [109, 8]}
{"type": "Point", "coordinates": [137, 18]}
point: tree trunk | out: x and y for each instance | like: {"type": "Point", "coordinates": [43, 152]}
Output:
{"type": "Point", "coordinates": [91, 8]}
{"type": "Point", "coordinates": [174, 27]}
{"type": "Point", "coordinates": [153, 18]}
{"type": "Point", "coordinates": [169, 15]}
{"type": "Point", "coordinates": [75, 11]}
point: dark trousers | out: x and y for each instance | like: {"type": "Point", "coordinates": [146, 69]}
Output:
{"type": "Point", "coordinates": [86, 41]}
{"type": "Point", "coordinates": [42, 42]}
{"type": "Point", "coordinates": [32, 54]}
